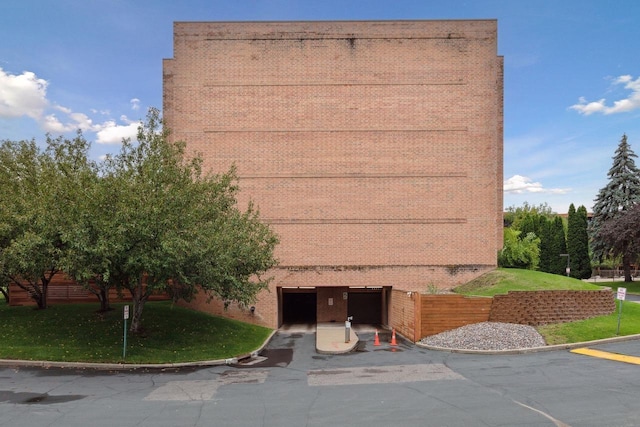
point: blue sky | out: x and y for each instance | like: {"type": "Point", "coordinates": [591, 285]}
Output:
{"type": "Point", "coordinates": [572, 74]}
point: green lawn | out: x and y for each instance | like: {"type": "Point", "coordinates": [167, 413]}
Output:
{"type": "Point", "coordinates": [76, 332]}
{"type": "Point", "coordinates": [595, 328]}
{"type": "Point", "coordinates": [632, 287]}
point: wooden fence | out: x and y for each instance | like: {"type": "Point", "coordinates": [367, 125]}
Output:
{"type": "Point", "coordinates": [63, 290]}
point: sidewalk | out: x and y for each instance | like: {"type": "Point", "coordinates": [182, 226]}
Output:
{"type": "Point", "coordinates": [330, 339]}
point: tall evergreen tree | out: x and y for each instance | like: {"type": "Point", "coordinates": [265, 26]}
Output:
{"type": "Point", "coordinates": [582, 253]}
{"type": "Point", "coordinates": [546, 245]}
{"type": "Point", "coordinates": [572, 237]}
{"type": "Point", "coordinates": [578, 243]}
{"type": "Point", "coordinates": [559, 246]}
{"type": "Point", "coordinates": [621, 193]}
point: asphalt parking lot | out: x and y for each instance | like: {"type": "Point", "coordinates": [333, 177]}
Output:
{"type": "Point", "coordinates": [292, 385]}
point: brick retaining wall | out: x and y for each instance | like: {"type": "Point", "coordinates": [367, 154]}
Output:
{"type": "Point", "coordinates": [544, 307]}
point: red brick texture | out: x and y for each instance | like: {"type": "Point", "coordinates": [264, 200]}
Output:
{"type": "Point", "coordinates": [374, 149]}
{"type": "Point", "coordinates": [332, 306]}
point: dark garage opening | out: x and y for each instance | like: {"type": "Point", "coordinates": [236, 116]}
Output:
{"type": "Point", "coordinates": [365, 307]}
{"type": "Point", "coordinates": [299, 307]}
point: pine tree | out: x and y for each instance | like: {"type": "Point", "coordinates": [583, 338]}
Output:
{"type": "Point", "coordinates": [578, 243]}
{"type": "Point", "coordinates": [584, 264]}
{"type": "Point", "coordinates": [546, 245]}
{"type": "Point", "coordinates": [621, 193]}
{"type": "Point", "coordinates": [559, 246]}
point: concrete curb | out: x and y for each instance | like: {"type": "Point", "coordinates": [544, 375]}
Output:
{"type": "Point", "coordinates": [532, 349]}
{"type": "Point", "coordinates": [10, 363]}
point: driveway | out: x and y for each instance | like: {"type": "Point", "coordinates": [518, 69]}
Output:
{"type": "Point", "coordinates": [374, 386]}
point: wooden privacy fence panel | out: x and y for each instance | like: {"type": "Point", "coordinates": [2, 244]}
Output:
{"type": "Point", "coordinates": [63, 290]}
{"type": "Point", "coordinates": [439, 313]}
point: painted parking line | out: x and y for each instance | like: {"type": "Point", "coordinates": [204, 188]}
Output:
{"type": "Point", "coordinates": [607, 355]}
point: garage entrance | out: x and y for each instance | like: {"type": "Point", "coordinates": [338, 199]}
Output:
{"type": "Point", "coordinates": [299, 305]}
{"type": "Point", "coordinates": [366, 306]}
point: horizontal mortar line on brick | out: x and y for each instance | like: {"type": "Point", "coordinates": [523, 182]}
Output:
{"type": "Point", "coordinates": [364, 267]}
{"type": "Point", "coordinates": [462, 129]}
{"type": "Point", "coordinates": [382, 221]}
{"type": "Point", "coordinates": [301, 38]}
{"type": "Point", "coordinates": [458, 83]}
{"type": "Point", "coordinates": [355, 176]}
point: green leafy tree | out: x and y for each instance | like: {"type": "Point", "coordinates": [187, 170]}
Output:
{"type": "Point", "coordinates": [173, 228]}
{"type": "Point", "coordinates": [578, 243]}
{"type": "Point", "coordinates": [33, 216]}
{"type": "Point", "coordinates": [621, 234]}
{"type": "Point", "coordinates": [88, 206]}
{"type": "Point", "coordinates": [520, 217]}
{"type": "Point", "coordinates": [540, 221]}
{"type": "Point", "coordinates": [519, 253]}
{"type": "Point", "coordinates": [4, 287]}
{"type": "Point", "coordinates": [621, 193]}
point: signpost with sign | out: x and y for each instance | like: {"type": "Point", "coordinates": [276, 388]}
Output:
{"type": "Point", "coordinates": [124, 344]}
{"type": "Point", "coordinates": [622, 294]}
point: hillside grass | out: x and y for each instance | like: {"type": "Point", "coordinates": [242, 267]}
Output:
{"type": "Point", "coordinates": [78, 333]}
{"type": "Point", "coordinates": [503, 280]}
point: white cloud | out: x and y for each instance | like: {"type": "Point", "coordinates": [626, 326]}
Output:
{"type": "Point", "coordinates": [519, 184]}
{"type": "Point", "coordinates": [26, 95]}
{"type": "Point", "coordinates": [22, 95]}
{"type": "Point", "coordinates": [74, 121]}
{"type": "Point", "coordinates": [112, 133]}
{"type": "Point", "coordinates": [632, 102]}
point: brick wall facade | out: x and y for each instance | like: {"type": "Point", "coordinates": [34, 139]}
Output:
{"type": "Point", "coordinates": [374, 149]}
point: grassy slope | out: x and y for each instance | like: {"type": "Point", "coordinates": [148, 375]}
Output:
{"type": "Point", "coordinates": [76, 332]}
{"type": "Point", "coordinates": [501, 281]}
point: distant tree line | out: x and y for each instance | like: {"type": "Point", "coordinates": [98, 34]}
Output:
{"type": "Point", "coordinates": [537, 238]}
{"type": "Point", "coordinates": [549, 245]}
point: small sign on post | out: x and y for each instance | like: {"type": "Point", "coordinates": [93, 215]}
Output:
{"type": "Point", "coordinates": [124, 343]}
{"type": "Point", "coordinates": [622, 294]}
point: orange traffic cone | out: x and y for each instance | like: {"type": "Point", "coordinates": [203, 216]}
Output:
{"type": "Point", "coordinates": [376, 341]}
{"type": "Point", "coordinates": [393, 337]}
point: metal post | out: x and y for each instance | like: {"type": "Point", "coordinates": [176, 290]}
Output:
{"type": "Point", "coordinates": [347, 329]}
{"type": "Point", "coordinates": [568, 269]}
{"type": "Point", "coordinates": [124, 343]}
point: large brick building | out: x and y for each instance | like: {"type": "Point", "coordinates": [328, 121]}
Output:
{"type": "Point", "coordinates": [374, 149]}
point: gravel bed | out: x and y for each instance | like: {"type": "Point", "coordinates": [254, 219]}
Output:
{"type": "Point", "coordinates": [487, 336]}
